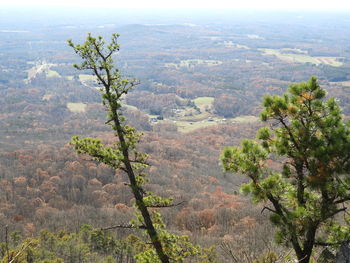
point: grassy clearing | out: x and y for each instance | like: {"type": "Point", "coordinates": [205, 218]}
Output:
{"type": "Point", "coordinates": [69, 77]}
{"type": "Point", "coordinates": [207, 62]}
{"type": "Point", "coordinates": [188, 119]}
{"type": "Point", "coordinates": [47, 97]}
{"type": "Point", "coordinates": [52, 74]}
{"type": "Point", "coordinates": [193, 62]}
{"type": "Point", "coordinates": [343, 83]}
{"type": "Point", "coordinates": [196, 117]}
{"type": "Point", "coordinates": [86, 77]}
{"type": "Point", "coordinates": [190, 114]}
{"type": "Point", "coordinates": [186, 126]}
{"type": "Point", "coordinates": [295, 50]}
{"type": "Point", "coordinates": [130, 107]}
{"type": "Point", "coordinates": [213, 38]}
{"type": "Point", "coordinates": [253, 36]}
{"type": "Point", "coordinates": [244, 119]}
{"type": "Point", "coordinates": [36, 70]}
{"type": "Point", "coordinates": [231, 44]}
{"type": "Point", "coordinates": [205, 104]}
{"type": "Point", "coordinates": [301, 58]}
{"type": "Point", "coordinates": [203, 101]}
{"type": "Point", "coordinates": [76, 107]}
{"type": "Point", "coordinates": [32, 72]}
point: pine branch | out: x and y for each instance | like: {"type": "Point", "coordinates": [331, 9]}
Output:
{"type": "Point", "coordinates": [128, 226]}
{"type": "Point", "coordinates": [326, 244]}
{"type": "Point", "coordinates": [165, 206]}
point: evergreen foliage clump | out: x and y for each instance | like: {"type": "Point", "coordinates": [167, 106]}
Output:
{"type": "Point", "coordinates": [308, 135]}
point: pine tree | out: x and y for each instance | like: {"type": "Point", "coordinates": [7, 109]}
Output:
{"type": "Point", "coordinates": [309, 137]}
{"type": "Point", "coordinates": [123, 155]}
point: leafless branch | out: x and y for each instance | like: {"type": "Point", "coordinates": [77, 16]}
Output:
{"type": "Point", "coordinates": [268, 208]}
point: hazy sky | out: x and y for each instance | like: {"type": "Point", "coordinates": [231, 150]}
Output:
{"type": "Point", "coordinates": [256, 4]}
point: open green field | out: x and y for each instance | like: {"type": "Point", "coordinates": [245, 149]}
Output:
{"type": "Point", "coordinates": [213, 38]}
{"type": "Point", "coordinates": [52, 74]}
{"type": "Point", "coordinates": [189, 114]}
{"type": "Point", "coordinates": [130, 107]}
{"type": "Point", "coordinates": [207, 62]}
{"type": "Point", "coordinates": [253, 36]}
{"type": "Point", "coordinates": [33, 71]}
{"type": "Point", "coordinates": [301, 58]}
{"type": "Point", "coordinates": [294, 50]}
{"type": "Point", "coordinates": [189, 119]}
{"type": "Point", "coordinates": [47, 96]}
{"type": "Point", "coordinates": [194, 62]}
{"type": "Point", "coordinates": [244, 119]}
{"type": "Point", "coordinates": [230, 44]}
{"type": "Point", "coordinates": [195, 117]}
{"type": "Point", "coordinates": [203, 101]}
{"type": "Point", "coordinates": [86, 77]}
{"type": "Point", "coordinates": [76, 107]}
{"type": "Point", "coordinates": [343, 83]}
{"type": "Point", "coordinates": [205, 104]}
{"type": "Point", "coordinates": [187, 126]}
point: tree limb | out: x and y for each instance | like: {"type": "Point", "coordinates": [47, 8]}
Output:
{"type": "Point", "coordinates": [268, 208]}
{"type": "Point", "coordinates": [165, 206]}
{"type": "Point", "coordinates": [326, 244]}
{"type": "Point", "coordinates": [124, 226]}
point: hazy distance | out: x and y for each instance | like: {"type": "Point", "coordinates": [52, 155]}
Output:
{"type": "Point", "coordinates": [250, 4]}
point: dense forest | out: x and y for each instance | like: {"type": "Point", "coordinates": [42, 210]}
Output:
{"type": "Point", "coordinates": [199, 87]}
